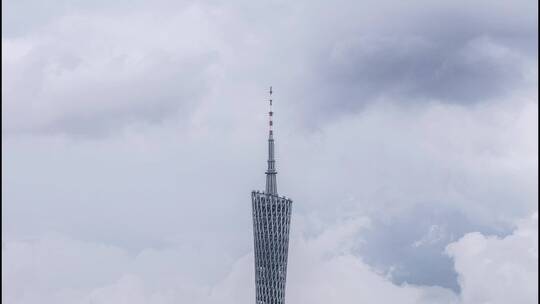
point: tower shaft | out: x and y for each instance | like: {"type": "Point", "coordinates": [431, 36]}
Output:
{"type": "Point", "coordinates": [271, 222]}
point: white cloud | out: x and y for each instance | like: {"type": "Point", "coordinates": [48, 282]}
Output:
{"type": "Point", "coordinates": [496, 270]}
{"type": "Point", "coordinates": [322, 268]}
{"type": "Point", "coordinates": [435, 234]}
{"type": "Point", "coordinates": [56, 269]}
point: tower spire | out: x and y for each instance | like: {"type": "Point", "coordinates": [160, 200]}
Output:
{"type": "Point", "coordinates": [271, 186]}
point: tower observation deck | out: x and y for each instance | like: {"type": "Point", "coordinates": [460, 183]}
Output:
{"type": "Point", "coordinates": [271, 222]}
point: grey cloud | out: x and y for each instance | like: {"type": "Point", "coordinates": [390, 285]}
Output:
{"type": "Point", "coordinates": [330, 59]}
{"type": "Point", "coordinates": [459, 53]}
{"type": "Point", "coordinates": [411, 248]}
{"type": "Point", "coordinates": [96, 81]}
{"type": "Point", "coordinates": [166, 90]}
{"type": "Point", "coordinates": [415, 68]}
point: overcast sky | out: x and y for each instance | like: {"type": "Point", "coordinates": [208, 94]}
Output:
{"type": "Point", "coordinates": [134, 131]}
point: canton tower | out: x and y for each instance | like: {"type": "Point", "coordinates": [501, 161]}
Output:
{"type": "Point", "coordinates": [271, 222]}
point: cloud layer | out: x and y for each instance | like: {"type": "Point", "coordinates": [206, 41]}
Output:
{"type": "Point", "coordinates": [322, 269]}
{"type": "Point", "coordinates": [134, 133]}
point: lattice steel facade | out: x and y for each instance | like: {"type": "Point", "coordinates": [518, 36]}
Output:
{"type": "Point", "coordinates": [271, 222]}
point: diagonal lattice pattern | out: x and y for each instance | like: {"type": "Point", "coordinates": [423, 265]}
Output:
{"type": "Point", "coordinates": [271, 222]}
